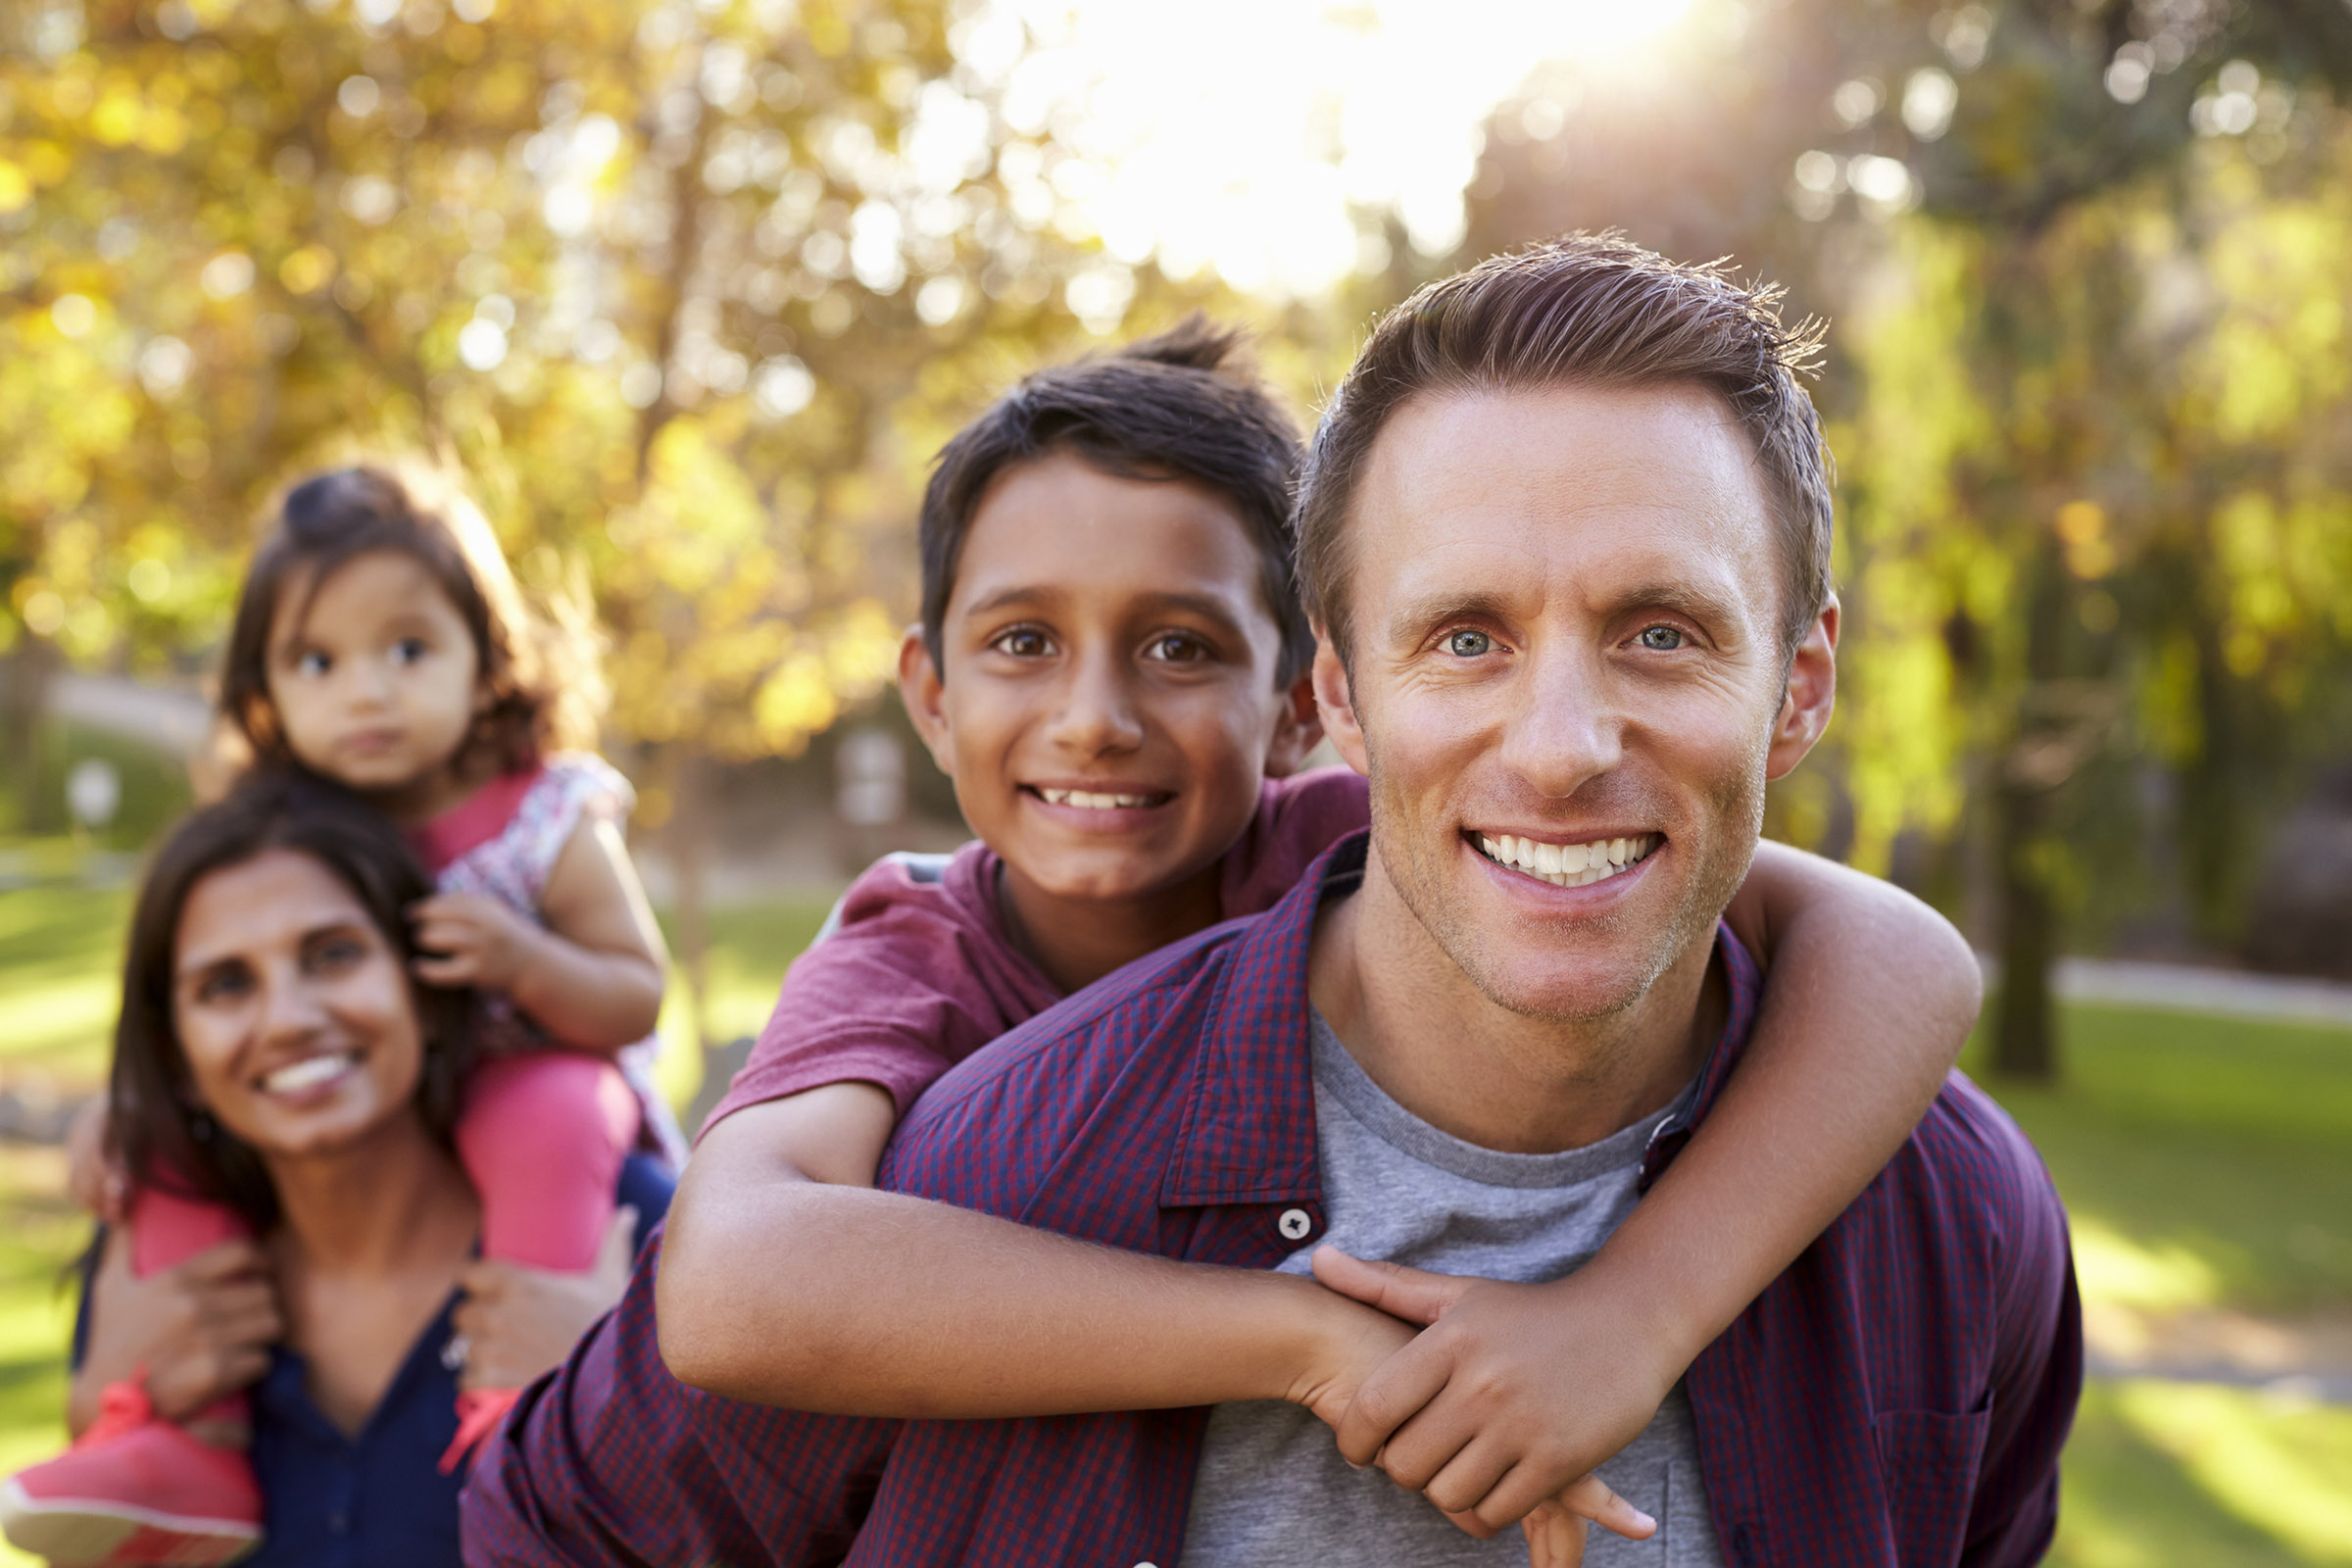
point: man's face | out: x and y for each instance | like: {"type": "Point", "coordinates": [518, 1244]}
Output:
{"type": "Point", "coordinates": [1566, 688]}
{"type": "Point", "coordinates": [1108, 704]}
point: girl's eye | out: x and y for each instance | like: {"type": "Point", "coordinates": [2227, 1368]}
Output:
{"type": "Point", "coordinates": [1023, 644]}
{"type": "Point", "coordinates": [313, 664]}
{"type": "Point", "coordinates": [408, 650]}
{"type": "Point", "coordinates": [1468, 644]}
{"type": "Point", "coordinates": [1178, 647]}
{"type": "Point", "coordinates": [1661, 639]}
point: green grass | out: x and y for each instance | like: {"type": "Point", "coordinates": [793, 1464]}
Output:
{"type": "Point", "coordinates": [2204, 1162]}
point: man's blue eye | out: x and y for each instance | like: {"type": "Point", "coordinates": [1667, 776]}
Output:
{"type": "Point", "coordinates": [1663, 639]}
{"type": "Point", "coordinates": [1468, 644]}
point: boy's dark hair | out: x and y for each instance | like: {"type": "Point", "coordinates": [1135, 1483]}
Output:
{"type": "Point", "coordinates": [1178, 405]}
{"type": "Point", "coordinates": [540, 673]}
{"type": "Point", "coordinates": [157, 1132]}
{"type": "Point", "coordinates": [1589, 310]}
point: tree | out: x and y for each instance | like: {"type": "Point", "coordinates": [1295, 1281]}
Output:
{"type": "Point", "coordinates": [689, 290]}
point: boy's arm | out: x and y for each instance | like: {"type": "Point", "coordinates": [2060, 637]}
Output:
{"type": "Point", "coordinates": [787, 1280]}
{"type": "Point", "coordinates": [1870, 997]}
{"type": "Point", "coordinates": [592, 976]}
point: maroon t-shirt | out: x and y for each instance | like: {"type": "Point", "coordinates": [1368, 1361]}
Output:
{"type": "Point", "coordinates": [921, 974]}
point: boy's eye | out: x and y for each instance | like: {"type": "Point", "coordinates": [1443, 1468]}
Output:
{"type": "Point", "coordinates": [1469, 644]}
{"type": "Point", "coordinates": [1176, 647]}
{"type": "Point", "coordinates": [408, 650]}
{"type": "Point", "coordinates": [1661, 639]}
{"type": "Point", "coordinates": [1023, 643]}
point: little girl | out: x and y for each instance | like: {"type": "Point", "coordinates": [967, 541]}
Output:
{"type": "Point", "coordinates": [380, 641]}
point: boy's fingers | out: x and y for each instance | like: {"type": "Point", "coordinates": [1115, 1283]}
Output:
{"type": "Point", "coordinates": [1555, 1539]}
{"type": "Point", "coordinates": [1465, 1481]}
{"type": "Point", "coordinates": [1591, 1499]}
{"type": "Point", "coordinates": [1396, 1392]}
{"type": "Point", "coordinates": [1414, 1295]}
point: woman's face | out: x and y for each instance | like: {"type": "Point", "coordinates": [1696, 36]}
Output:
{"type": "Point", "coordinates": [294, 1012]}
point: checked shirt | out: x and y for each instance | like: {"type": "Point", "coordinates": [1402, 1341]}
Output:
{"type": "Point", "coordinates": [1897, 1397]}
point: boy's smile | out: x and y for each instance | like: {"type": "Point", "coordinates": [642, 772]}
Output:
{"type": "Point", "coordinates": [1107, 707]}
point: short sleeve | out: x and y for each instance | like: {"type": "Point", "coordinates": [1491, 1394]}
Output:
{"type": "Point", "coordinates": [914, 978]}
{"type": "Point", "coordinates": [572, 788]}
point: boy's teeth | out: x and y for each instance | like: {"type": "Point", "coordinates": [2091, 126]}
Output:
{"type": "Point", "coordinates": [308, 1073]}
{"type": "Point", "coordinates": [1090, 801]}
{"type": "Point", "coordinates": [1567, 865]}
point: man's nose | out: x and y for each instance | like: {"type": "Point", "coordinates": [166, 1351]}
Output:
{"type": "Point", "coordinates": [1097, 712]}
{"type": "Point", "coordinates": [1567, 727]}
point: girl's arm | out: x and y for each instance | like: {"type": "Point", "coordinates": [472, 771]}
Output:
{"type": "Point", "coordinates": [782, 1289]}
{"type": "Point", "coordinates": [591, 976]}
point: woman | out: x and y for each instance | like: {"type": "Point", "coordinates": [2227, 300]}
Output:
{"type": "Point", "coordinates": [276, 1055]}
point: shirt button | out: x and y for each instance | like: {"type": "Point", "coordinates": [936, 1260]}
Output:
{"type": "Point", "coordinates": [338, 1523]}
{"type": "Point", "coordinates": [1294, 1224]}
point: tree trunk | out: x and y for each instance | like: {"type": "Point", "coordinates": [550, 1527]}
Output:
{"type": "Point", "coordinates": [2023, 1034]}
{"type": "Point", "coordinates": [690, 862]}
{"type": "Point", "coordinates": [24, 703]}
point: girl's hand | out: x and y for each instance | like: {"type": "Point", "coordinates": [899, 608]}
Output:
{"type": "Point", "coordinates": [1506, 1402]}
{"type": "Point", "coordinates": [520, 1322]}
{"type": "Point", "coordinates": [91, 1179]}
{"type": "Point", "coordinates": [201, 1329]}
{"type": "Point", "coordinates": [471, 939]}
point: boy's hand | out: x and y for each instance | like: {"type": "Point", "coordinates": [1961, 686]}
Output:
{"type": "Point", "coordinates": [1511, 1397]}
{"type": "Point", "coordinates": [471, 939]}
{"type": "Point", "coordinates": [1351, 1342]}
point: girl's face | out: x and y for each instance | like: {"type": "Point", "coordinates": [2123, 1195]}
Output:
{"type": "Point", "coordinates": [294, 1012]}
{"type": "Point", "coordinates": [377, 679]}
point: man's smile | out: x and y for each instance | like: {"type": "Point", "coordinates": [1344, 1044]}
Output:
{"type": "Point", "coordinates": [1567, 865]}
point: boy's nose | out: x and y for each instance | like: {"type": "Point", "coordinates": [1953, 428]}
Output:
{"type": "Point", "coordinates": [1098, 712]}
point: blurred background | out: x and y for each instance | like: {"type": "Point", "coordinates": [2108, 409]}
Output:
{"type": "Point", "coordinates": [693, 289]}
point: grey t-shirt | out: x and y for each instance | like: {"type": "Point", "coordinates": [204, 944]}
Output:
{"type": "Point", "coordinates": [1272, 1489]}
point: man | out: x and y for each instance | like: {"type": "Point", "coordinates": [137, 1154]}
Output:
{"type": "Point", "coordinates": [1565, 534]}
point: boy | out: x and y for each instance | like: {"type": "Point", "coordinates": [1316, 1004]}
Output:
{"type": "Point", "coordinates": [1111, 667]}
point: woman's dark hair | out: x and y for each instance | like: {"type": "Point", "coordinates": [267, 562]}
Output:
{"type": "Point", "coordinates": [1178, 405]}
{"type": "Point", "coordinates": [159, 1134]}
{"type": "Point", "coordinates": [540, 671]}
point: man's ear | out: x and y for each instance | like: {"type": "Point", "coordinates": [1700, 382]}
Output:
{"type": "Point", "coordinates": [924, 694]}
{"type": "Point", "coordinates": [1336, 701]}
{"type": "Point", "coordinates": [1297, 729]}
{"type": "Point", "coordinates": [1811, 697]}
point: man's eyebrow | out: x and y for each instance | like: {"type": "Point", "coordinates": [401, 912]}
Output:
{"type": "Point", "coordinates": [1415, 617]}
{"type": "Point", "coordinates": [1684, 598]}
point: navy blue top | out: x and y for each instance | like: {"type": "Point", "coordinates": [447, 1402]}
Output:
{"type": "Point", "coordinates": [379, 1499]}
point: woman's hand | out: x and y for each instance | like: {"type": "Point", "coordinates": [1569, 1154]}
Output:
{"type": "Point", "coordinates": [201, 1329]}
{"type": "Point", "coordinates": [518, 1322]}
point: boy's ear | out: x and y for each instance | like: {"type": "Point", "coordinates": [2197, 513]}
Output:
{"type": "Point", "coordinates": [920, 688]}
{"type": "Point", "coordinates": [1297, 726]}
{"type": "Point", "coordinates": [1337, 705]}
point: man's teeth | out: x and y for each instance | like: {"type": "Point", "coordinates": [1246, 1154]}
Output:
{"type": "Point", "coordinates": [310, 1072]}
{"type": "Point", "coordinates": [1567, 865]}
{"type": "Point", "coordinates": [1087, 799]}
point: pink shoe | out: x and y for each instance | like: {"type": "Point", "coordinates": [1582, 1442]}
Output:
{"type": "Point", "coordinates": [479, 1412]}
{"type": "Point", "coordinates": [134, 1490]}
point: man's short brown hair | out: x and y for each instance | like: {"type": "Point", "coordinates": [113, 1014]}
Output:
{"type": "Point", "coordinates": [1585, 310]}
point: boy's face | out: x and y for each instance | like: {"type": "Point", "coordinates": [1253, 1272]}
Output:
{"type": "Point", "coordinates": [1107, 706]}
